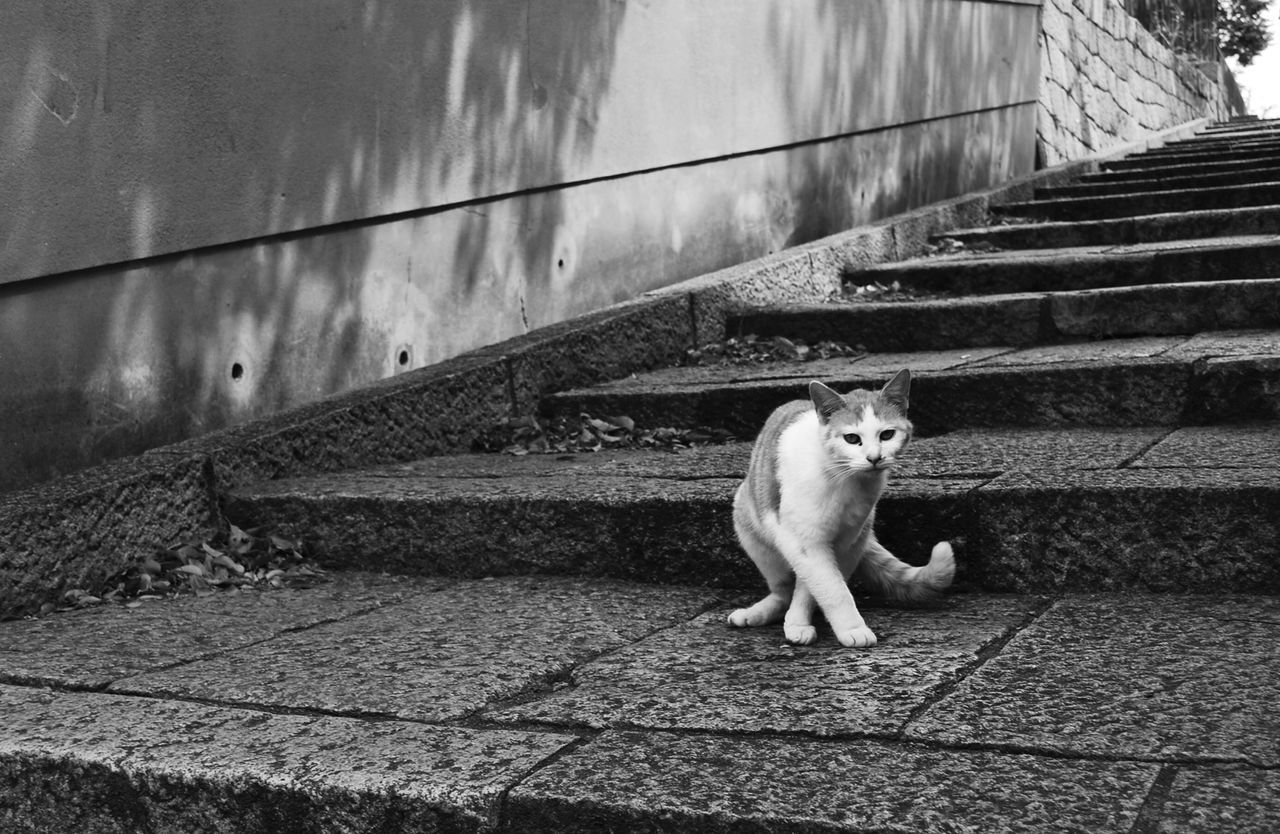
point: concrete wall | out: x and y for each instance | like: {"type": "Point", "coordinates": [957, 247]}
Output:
{"type": "Point", "coordinates": [1108, 81]}
{"type": "Point", "coordinates": [212, 213]}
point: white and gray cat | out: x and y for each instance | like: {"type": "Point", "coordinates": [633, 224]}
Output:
{"type": "Point", "coordinates": [805, 511]}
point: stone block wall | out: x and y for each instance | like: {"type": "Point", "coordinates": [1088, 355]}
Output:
{"type": "Point", "coordinates": [1105, 81]}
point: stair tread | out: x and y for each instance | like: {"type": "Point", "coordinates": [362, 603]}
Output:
{"type": "Point", "coordinates": [1143, 456]}
{"type": "Point", "coordinates": [1180, 350]}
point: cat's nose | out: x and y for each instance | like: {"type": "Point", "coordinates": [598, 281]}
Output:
{"type": "Point", "coordinates": [874, 460]}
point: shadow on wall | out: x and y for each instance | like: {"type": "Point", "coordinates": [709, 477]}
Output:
{"type": "Point", "coordinates": [136, 128]}
{"type": "Point", "coordinates": [892, 68]}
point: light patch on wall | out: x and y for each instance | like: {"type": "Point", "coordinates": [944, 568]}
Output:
{"type": "Point", "coordinates": [143, 222]}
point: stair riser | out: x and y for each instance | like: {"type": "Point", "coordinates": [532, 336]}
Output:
{"type": "Point", "coordinates": [1145, 311]}
{"type": "Point", "coordinates": [1029, 541]}
{"type": "Point", "coordinates": [1171, 183]}
{"type": "Point", "coordinates": [1131, 205]}
{"type": "Point", "coordinates": [1145, 393]}
{"type": "Point", "coordinates": [1005, 275]}
{"type": "Point", "coordinates": [1155, 229]}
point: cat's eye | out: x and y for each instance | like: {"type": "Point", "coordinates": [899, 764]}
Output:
{"type": "Point", "coordinates": [887, 434]}
{"type": "Point", "coordinates": [853, 439]}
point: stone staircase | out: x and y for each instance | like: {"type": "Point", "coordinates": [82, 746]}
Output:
{"type": "Point", "coordinates": [537, 643]}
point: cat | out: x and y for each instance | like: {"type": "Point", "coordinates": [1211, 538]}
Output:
{"type": "Point", "coordinates": [805, 511]}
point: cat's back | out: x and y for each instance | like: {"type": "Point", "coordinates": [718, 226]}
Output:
{"type": "Point", "coordinates": [761, 483]}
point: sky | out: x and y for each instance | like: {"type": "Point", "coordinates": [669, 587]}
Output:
{"type": "Point", "coordinates": [1260, 81]}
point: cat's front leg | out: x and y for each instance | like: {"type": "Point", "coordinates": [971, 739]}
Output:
{"type": "Point", "coordinates": [816, 569]}
{"type": "Point", "coordinates": [797, 625]}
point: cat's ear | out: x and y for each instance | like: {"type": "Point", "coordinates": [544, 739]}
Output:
{"type": "Point", "coordinates": [898, 389]}
{"type": "Point", "coordinates": [825, 400]}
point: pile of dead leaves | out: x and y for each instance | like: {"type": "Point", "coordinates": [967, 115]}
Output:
{"type": "Point", "coordinates": [754, 350]}
{"type": "Point", "coordinates": [585, 433]}
{"type": "Point", "coordinates": [238, 559]}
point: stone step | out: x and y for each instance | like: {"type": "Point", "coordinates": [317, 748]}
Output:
{"type": "Point", "coordinates": [1149, 228]}
{"type": "Point", "coordinates": [1022, 319]}
{"type": "Point", "coordinates": [1145, 202]}
{"type": "Point", "coordinates": [1269, 172]}
{"type": "Point", "coordinates": [373, 704]}
{"type": "Point", "coordinates": [1032, 511]}
{"type": "Point", "coordinates": [1083, 267]}
{"type": "Point", "coordinates": [1176, 170]}
{"type": "Point", "coordinates": [1241, 123]}
{"type": "Point", "coordinates": [1226, 145]}
{"type": "Point", "coordinates": [1149, 160]}
{"type": "Point", "coordinates": [1170, 380]}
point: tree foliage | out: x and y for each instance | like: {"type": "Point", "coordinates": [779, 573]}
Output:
{"type": "Point", "coordinates": [1242, 29]}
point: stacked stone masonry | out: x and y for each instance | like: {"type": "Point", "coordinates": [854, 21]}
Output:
{"type": "Point", "coordinates": [1105, 81]}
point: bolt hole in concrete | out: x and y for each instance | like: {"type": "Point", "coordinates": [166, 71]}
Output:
{"type": "Point", "coordinates": [560, 263]}
{"type": "Point", "coordinates": [403, 358]}
{"type": "Point", "coordinates": [237, 370]}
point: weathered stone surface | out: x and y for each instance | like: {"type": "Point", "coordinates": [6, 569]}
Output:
{"type": "Point", "coordinates": [904, 326]}
{"type": "Point", "coordinates": [1173, 308]}
{"type": "Point", "coordinates": [1266, 171]}
{"type": "Point", "coordinates": [635, 336]}
{"type": "Point", "coordinates": [93, 647]}
{"type": "Point", "coordinates": [1087, 267]}
{"type": "Point", "coordinates": [1127, 205]}
{"type": "Point", "coordinates": [78, 531]}
{"type": "Point", "coordinates": [439, 655]}
{"type": "Point", "coordinates": [657, 530]}
{"type": "Point", "coordinates": [706, 675]}
{"type": "Point", "coordinates": [1237, 388]}
{"type": "Point", "coordinates": [1247, 446]}
{"type": "Point", "coordinates": [1112, 350]}
{"type": "Point", "coordinates": [627, 781]}
{"type": "Point", "coordinates": [91, 762]}
{"type": "Point", "coordinates": [1131, 392]}
{"type": "Point", "coordinates": [978, 451]}
{"type": "Point", "coordinates": [1164, 678]}
{"type": "Point", "coordinates": [429, 411]}
{"type": "Point", "coordinates": [1205, 800]}
{"type": "Point", "coordinates": [1144, 529]}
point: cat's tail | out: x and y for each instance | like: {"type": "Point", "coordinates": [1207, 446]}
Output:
{"type": "Point", "coordinates": [894, 578]}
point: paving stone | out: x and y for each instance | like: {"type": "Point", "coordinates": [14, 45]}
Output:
{"type": "Point", "coordinates": [706, 675]}
{"type": "Point", "coordinates": [975, 451]}
{"type": "Point", "coordinates": [93, 647]}
{"type": "Point", "coordinates": [625, 781]}
{"type": "Point", "coordinates": [1164, 678]}
{"type": "Point", "coordinates": [1254, 446]}
{"type": "Point", "coordinates": [1230, 343]}
{"type": "Point", "coordinates": [1221, 801]}
{"type": "Point", "coordinates": [1129, 529]}
{"type": "Point", "coordinates": [93, 762]}
{"type": "Point", "coordinates": [435, 657]}
{"type": "Point", "coordinates": [1115, 350]}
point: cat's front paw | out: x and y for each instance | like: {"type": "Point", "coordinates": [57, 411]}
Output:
{"type": "Point", "coordinates": [744, 617]}
{"type": "Point", "coordinates": [800, 635]}
{"type": "Point", "coordinates": [857, 638]}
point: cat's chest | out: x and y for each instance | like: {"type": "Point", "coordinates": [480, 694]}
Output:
{"type": "Point", "coordinates": [828, 511]}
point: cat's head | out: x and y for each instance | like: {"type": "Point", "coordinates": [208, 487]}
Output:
{"type": "Point", "coordinates": [864, 431]}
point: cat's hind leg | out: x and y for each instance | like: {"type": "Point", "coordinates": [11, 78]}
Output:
{"type": "Point", "coordinates": [775, 570]}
